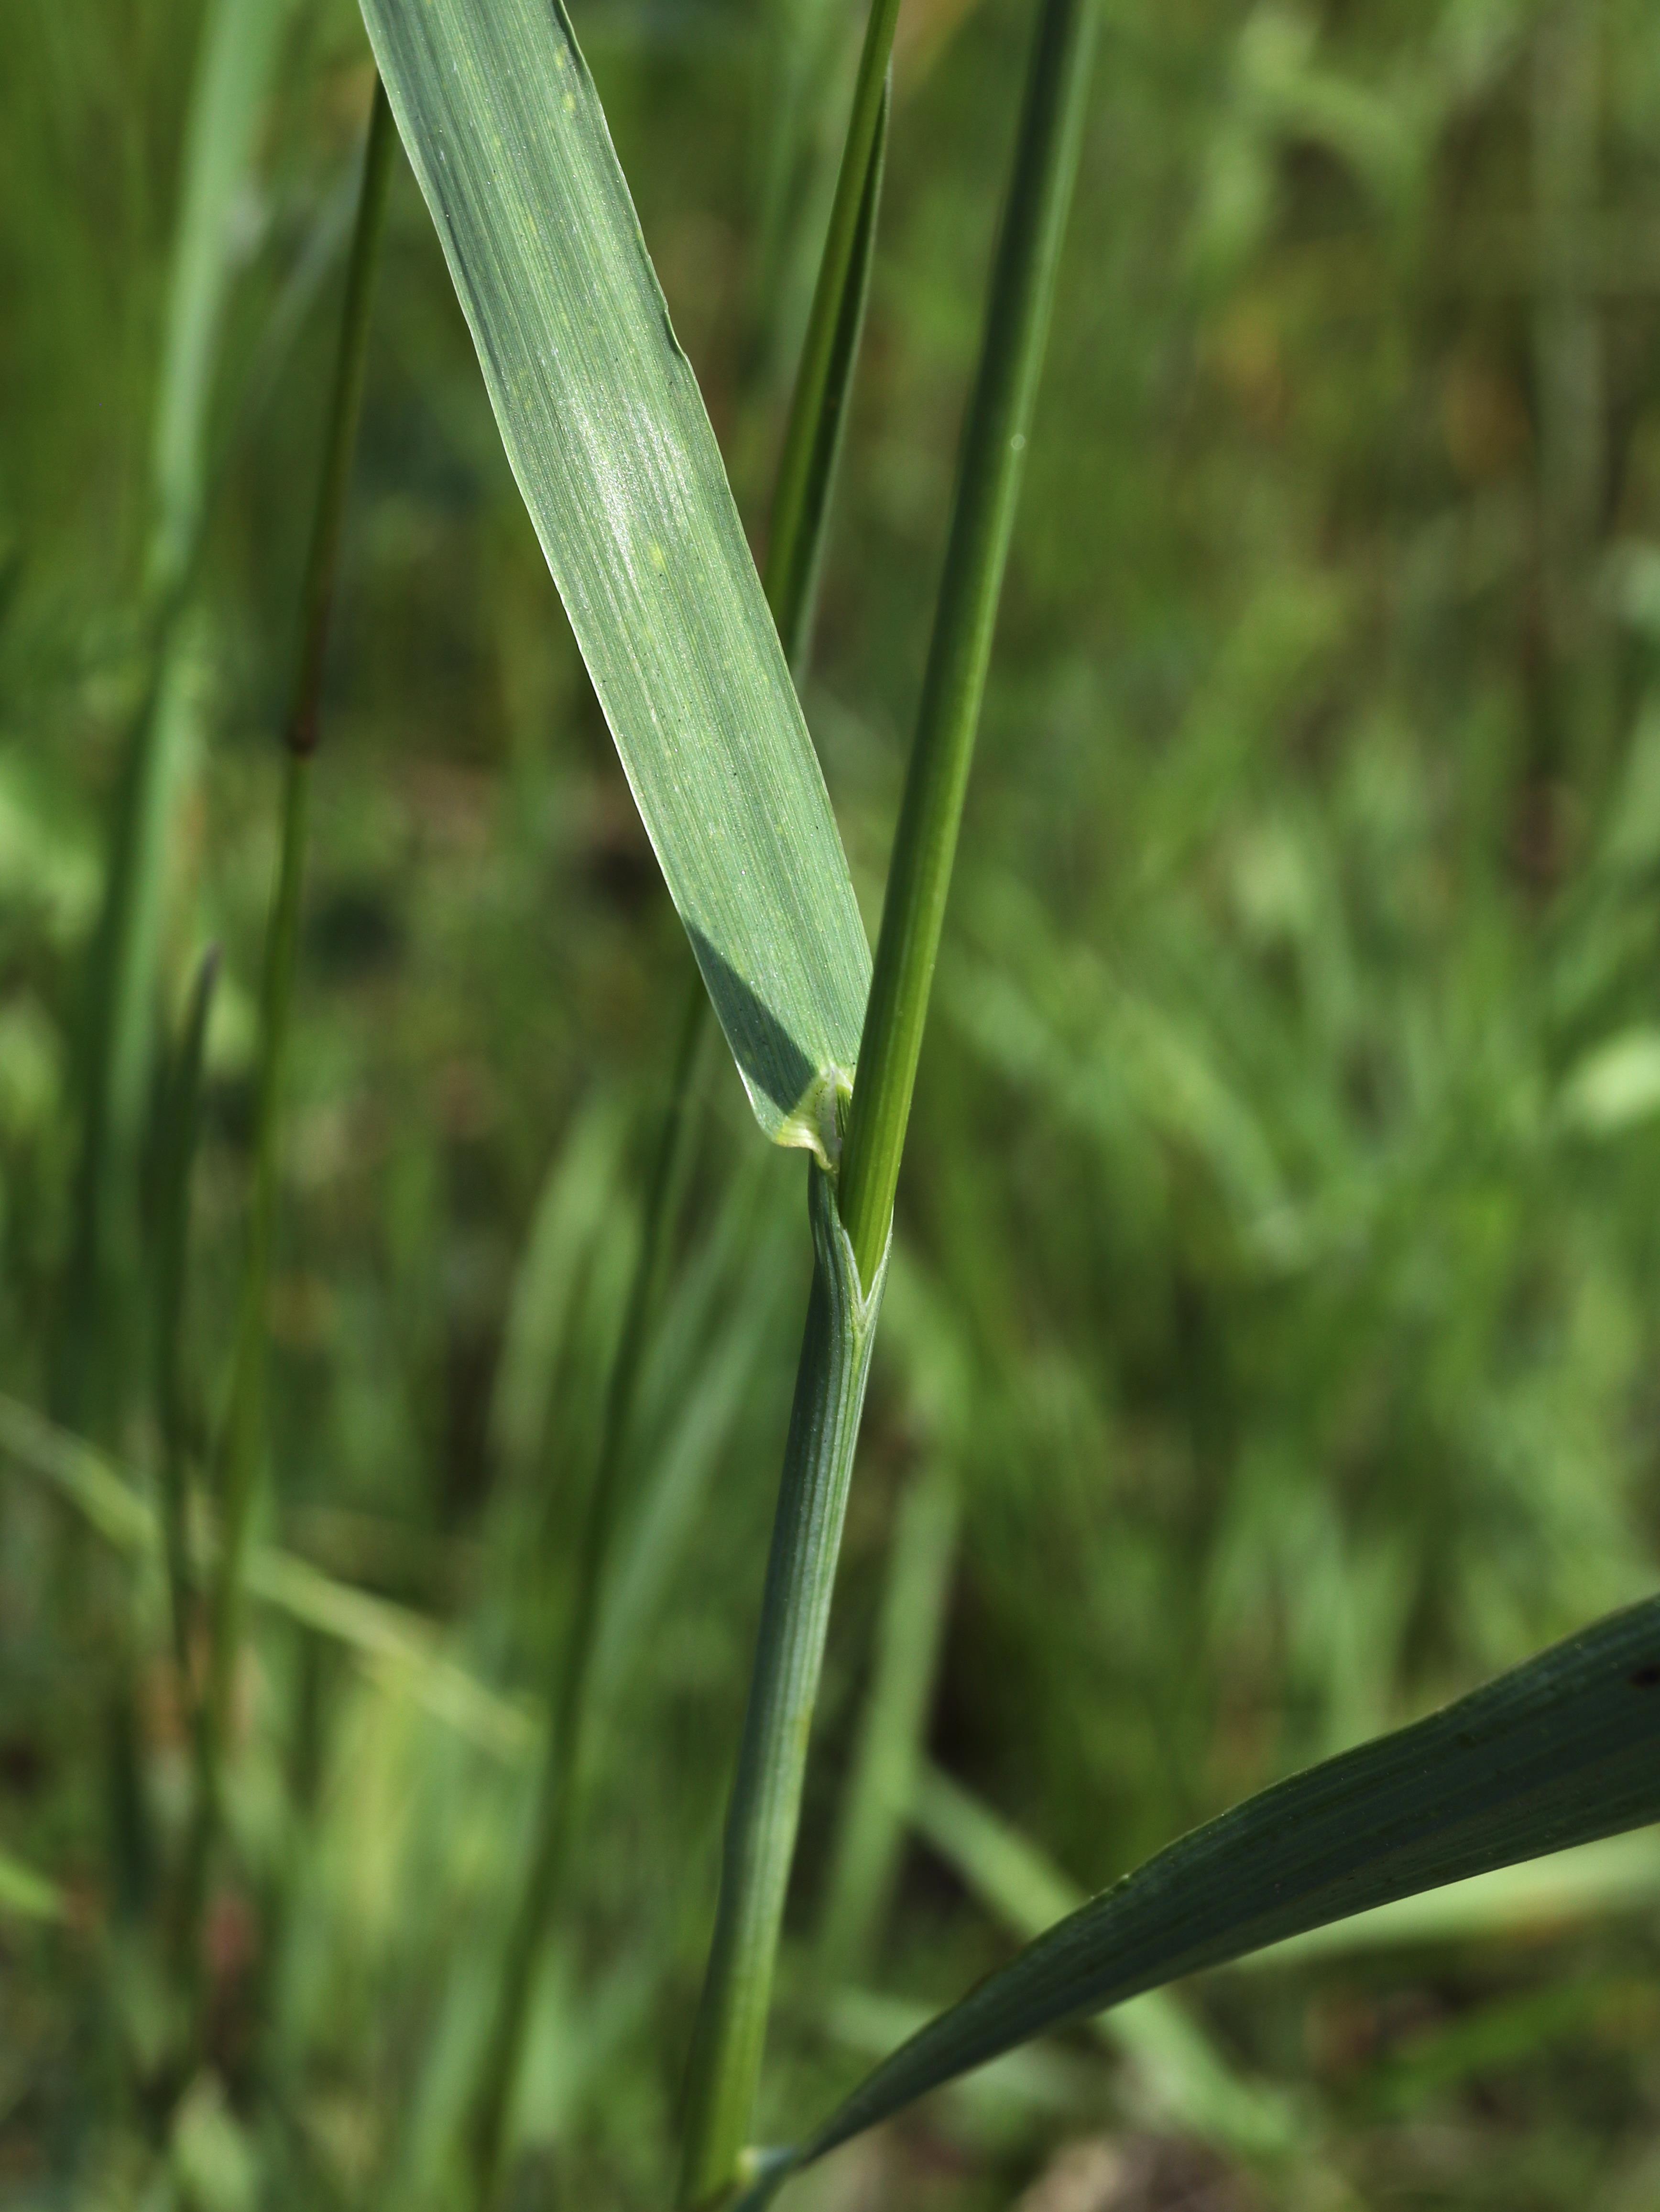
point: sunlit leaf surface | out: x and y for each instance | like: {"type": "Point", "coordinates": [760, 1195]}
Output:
{"type": "Point", "coordinates": [609, 440]}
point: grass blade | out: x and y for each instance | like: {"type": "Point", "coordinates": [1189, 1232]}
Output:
{"type": "Point", "coordinates": [818, 417]}
{"type": "Point", "coordinates": [578, 1200]}
{"type": "Point", "coordinates": [812, 445]}
{"type": "Point", "coordinates": [244, 1433]}
{"type": "Point", "coordinates": [1616, 1874]}
{"type": "Point", "coordinates": [117, 1046]}
{"type": "Point", "coordinates": [182, 1124]}
{"type": "Point", "coordinates": [609, 440]}
{"type": "Point", "coordinates": [1560, 1751]}
{"type": "Point", "coordinates": [240, 44]}
{"type": "Point", "coordinates": [235, 62]}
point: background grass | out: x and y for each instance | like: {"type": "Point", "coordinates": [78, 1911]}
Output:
{"type": "Point", "coordinates": [1278, 1276]}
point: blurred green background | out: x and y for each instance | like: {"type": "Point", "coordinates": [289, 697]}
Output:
{"type": "Point", "coordinates": [1272, 1341]}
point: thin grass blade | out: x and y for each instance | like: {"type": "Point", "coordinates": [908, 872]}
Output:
{"type": "Point", "coordinates": [240, 44]}
{"type": "Point", "coordinates": [765, 1807]}
{"type": "Point", "coordinates": [852, 1245]}
{"type": "Point", "coordinates": [819, 405]}
{"type": "Point", "coordinates": [236, 59]}
{"type": "Point", "coordinates": [989, 470]}
{"type": "Point", "coordinates": [243, 1440]}
{"type": "Point", "coordinates": [579, 1197]}
{"type": "Point", "coordinates": [183, 1121]}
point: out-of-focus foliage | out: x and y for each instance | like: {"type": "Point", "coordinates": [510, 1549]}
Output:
{"type": "Point", "coordinates": [1278, 1270]}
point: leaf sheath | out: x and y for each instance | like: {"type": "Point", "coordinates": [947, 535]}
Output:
{"type": "Point", "coordinates": [766, 1799]}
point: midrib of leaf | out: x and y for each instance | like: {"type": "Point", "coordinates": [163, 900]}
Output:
{"type": "Point", "coordinates": [609, 440]}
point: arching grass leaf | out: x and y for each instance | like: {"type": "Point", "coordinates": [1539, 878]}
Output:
{"type": "Point", "coordinates": [1560, 1751]}
{"type": "Point", "coordinates": [608, 438]}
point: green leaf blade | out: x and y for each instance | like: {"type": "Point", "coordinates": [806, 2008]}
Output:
{"type": "Point", "coordinates": [1560, 1751]}
{"type": "Point", "coordinates": [609, 440]}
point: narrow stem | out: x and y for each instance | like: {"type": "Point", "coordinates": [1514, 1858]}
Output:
{"type": "Point", "coordinates": [245, 1421]}
{"type": "Point", "coordinates": [563, 1760]}
{"type": "Point", "coordinates": [184, 1113]}
{"type": "Point", "coordinates": [852, 1228]}
{"type": "Point", "coordinates": [818, 417]}
{"type": "Point", "coordinates": [988, 484]}
{"type": "Point", "coordinates": [117, 1043]}
{"type": "Point", "coordinates": [766, 1796]}
{"type": "Point", "coordinates": [345, 407]}
{"type": "Point", "coordinates": [815, 406]}
{"type": "Point", "coordinates": [245, 1418]}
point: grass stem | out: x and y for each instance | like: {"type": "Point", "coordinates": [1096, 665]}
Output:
{"type": "Point", "coordinates": [987, 485]}
{"type": "Point", "coordinates": [181, 1125]}
{"type": "Point", "coordinates": [236, 52]}
{"type": "Point", "coordinates": [818, 416]}
{"type": "Point", "coordinates": [345, 407]}
{"type": "Point", "coordinates": [852, 1227]}
{"type": "Point", "coordinates": [244, 1435]}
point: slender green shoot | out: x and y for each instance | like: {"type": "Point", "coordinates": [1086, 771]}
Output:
{"type": "Point", "coordinates": [563, 1767]}
{"type": "Point", "coordinates": [182, 1123]}
{"type": "Point", "coordinates": [818, 416]}
{"type": "Point", "coordinates": [987, 484]}
{"type": "Point", "coordinates": [345, 406]}
{"type": "Point", "coordinates": [766, 1793]}
{"type": "Point", "coordinates": [243, 1432]}
{"type": "Point", "coordinates": [115, 1046]}
{"type": "Point", "coordinates": [852, 1228]}
{"type": "Point", "coordinates": [238, 44]}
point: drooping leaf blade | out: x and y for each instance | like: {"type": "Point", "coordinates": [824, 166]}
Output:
{"type": "Point", "coordinates": [607, 434]}
{"type": "Point", "coordinates": [1560, 1751]}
